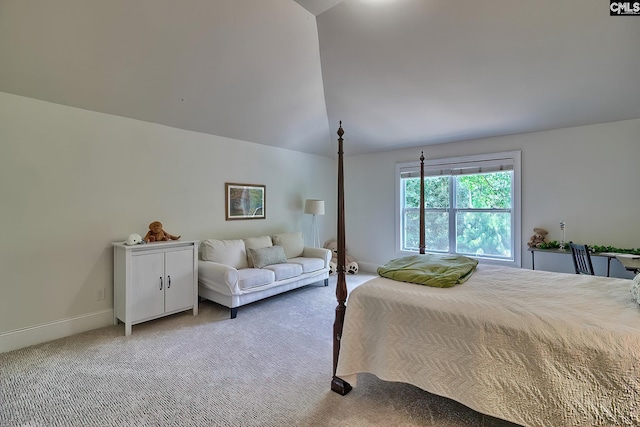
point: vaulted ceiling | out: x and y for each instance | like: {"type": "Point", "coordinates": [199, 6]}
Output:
{"type": "Point", "coordinates": [398, 73]}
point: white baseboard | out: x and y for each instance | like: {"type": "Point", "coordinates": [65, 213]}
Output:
{"type": "Point", "coordinates": [368, 267]}
{"type": "Point", "coordinates": [25, 337]}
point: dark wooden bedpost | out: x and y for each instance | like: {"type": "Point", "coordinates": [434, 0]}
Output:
{"type": "Point", "coordinates": [422, 230]}
{"type": "Point", "coordinates": [338, 384]}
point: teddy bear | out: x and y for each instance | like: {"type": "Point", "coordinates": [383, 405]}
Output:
{"type": "Point", "coordinates": [157, 234]}
{"type": "Point", "coordinates": [539, 236]}
{"type": "Point", "coordinates": [351, 266]}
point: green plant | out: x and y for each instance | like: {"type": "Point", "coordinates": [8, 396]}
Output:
{"type": "Point", "coordinates": [549, 245]}
{"type": "Point", "coordinates": [594, 248]}
{"type": "Point", "coordinates": [633, 251]}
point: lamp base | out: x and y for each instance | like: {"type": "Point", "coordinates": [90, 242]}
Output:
{"type": "Point", "coordinates": [314, 232]}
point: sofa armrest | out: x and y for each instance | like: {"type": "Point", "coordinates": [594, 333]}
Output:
{"type": "Point", "coordinates": [220, 273]}
{"type": "Point", "coordinates": [322, 253]}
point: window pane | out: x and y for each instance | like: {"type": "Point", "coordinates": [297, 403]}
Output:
{"type": "Point", "coordinates": [436, 191]}
{"type": "Point", "coordinates": [436, 234]}
{"type": "Point", "coordinates": [436, 230]}
{"type": "Point", "coordinates": [410, 235]}
{"type": "Point", "coordinates": [484, 191]}
{"type": "Point", "coordinates": [411, 192]}
{"type": "Point", "coordinates": [484, 233]}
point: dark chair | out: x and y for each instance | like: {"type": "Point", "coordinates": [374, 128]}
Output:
{"type": "Point", "coordinates": [581, 259]}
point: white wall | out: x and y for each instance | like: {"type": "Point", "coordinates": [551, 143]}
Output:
{"type": "Point", "coordinates": [72, 181]}
{"type": "Point", "coordinates": [586, 175]}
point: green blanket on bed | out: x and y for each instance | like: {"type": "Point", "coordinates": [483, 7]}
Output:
{"type": "Point", "coordinates": [440, 271]}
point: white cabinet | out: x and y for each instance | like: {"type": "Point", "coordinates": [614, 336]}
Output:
{"type": "Point", "coordinates": [154, 280]}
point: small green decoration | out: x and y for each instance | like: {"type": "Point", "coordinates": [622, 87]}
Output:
{"type": "Point", "coordinates": [632, 251]}
{"type": "Point", "coordinates": [594, 248]}
{"type": "Point", "coordinates": [549, 245]}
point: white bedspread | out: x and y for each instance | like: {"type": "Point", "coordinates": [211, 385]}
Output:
{"type": "Point", "coordinates": [532, 347]}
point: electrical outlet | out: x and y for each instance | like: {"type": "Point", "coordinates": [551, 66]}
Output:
{"type": "Point", "coordinates": [99, 294]}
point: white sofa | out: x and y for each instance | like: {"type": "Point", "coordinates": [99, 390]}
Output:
{"type": "Point", "coordinates": [237, 272]}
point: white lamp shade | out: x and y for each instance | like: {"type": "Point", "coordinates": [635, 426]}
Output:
{"type": "Point", "coordinates": [314, 207]}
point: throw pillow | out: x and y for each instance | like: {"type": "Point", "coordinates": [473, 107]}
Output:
{"type": "Point", "coordinates": [267, 256]}
{"type": "Point", "coordinates": [293, 243]}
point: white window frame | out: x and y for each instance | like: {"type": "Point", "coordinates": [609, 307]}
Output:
{"type": "Point", "coordinates": [513, 157]}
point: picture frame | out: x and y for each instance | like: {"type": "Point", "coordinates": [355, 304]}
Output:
{"type": "Point", "coordinates": [245, 201]}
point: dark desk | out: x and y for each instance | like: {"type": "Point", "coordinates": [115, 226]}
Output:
{"type": "Point", "coordinates": [567, 251]}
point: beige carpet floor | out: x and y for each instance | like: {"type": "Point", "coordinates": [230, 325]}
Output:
{"type": "Point", "coordinates": [271, 366]}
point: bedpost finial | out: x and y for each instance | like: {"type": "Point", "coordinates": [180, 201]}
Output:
{"type": "Point", "coordinates": [340, 131]}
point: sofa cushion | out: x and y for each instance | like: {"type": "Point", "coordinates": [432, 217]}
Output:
{"type": "Point", "coordinates": [308, 264]}
{"type": "Point", "coordinates": [293, 243]}
{"type": "Point", "coordinates": [253, 277]}
{"type": "Point", "coordinates": [256, 243]}
{"type": "Point", "coordinates": [285, 271]}
{"type": "Point", "coordinates": [267, 256]}
{"type": "Point", "coordinates": [228, 252]}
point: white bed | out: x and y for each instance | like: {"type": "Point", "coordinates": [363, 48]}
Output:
{"type": "Point", "coordinates": [532, 347]}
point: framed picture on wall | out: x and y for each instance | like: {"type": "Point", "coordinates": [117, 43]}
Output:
{"type": "Point", "coordinates": [245, 201]}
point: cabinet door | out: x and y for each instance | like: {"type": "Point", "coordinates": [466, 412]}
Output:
{"type": "Point", "coordinates": [148, 286]}
{"type": "Point", "coordinates": [179, 271]}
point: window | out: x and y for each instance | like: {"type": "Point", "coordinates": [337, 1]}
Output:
{"type": "Point", "coordinates": [472, 206]}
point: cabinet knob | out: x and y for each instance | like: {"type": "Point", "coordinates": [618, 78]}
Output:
{"type": "Point", "coordinates": [169, 282]}
{"type": "Point", "coordinates": [160, 283]}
